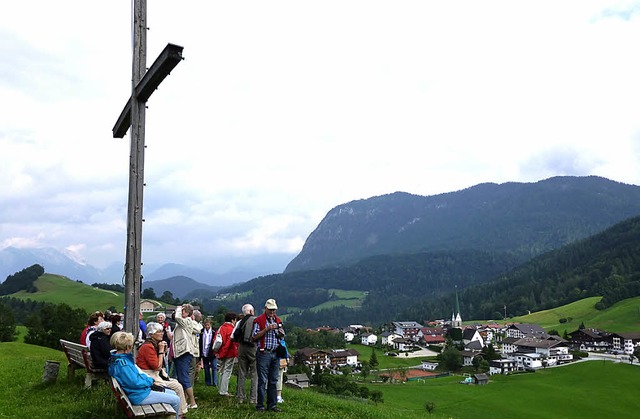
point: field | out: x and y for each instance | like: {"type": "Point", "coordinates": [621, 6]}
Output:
{"type": "Point", "coordinates": [346, 298]}
{"type": "Point", "coordinates": [623, 316]}
{"type": "Point", "coordinates": [58, 289]}
{"type": "Point", "coordinates": [590, 389]}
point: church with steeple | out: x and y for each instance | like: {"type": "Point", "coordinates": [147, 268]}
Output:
{"type": "Point", "coordinates": [456, 319]}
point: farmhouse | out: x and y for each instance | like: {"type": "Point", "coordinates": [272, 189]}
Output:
{"type": "Point", "coordinates": [590, 340]}
{"type": "Point", "coordinates": [502, 366]}
{"type": "Point", "coordinates": [368, 339]}
{"type": "Point", "coordinates": [521, 330]}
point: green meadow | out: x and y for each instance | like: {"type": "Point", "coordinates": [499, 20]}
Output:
{"type": "Point", "coordinates": [591, 389]}
{"type": "Point", "coordinates": [344, 298]}
{"type": "Point", "coordinates": [623, 316]}
{"type": "Point", "coordinates": [59, 289]}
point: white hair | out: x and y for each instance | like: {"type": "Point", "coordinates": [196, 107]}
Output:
{"type": "Point", "coordinates": [247, 309]}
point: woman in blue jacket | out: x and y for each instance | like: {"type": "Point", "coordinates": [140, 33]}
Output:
{"type": "Point", "coordinates": [135, 383]}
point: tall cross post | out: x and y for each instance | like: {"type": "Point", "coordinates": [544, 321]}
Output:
{"type": "Point", "coordinates": [143, 83]}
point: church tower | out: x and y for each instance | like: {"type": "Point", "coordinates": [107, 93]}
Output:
{"type": "Point", "coordinates": [456, 319]}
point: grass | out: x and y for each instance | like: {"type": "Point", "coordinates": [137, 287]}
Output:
{"type": "Point", "coordinates": [623, 316]}
{"type": "Point", "coordinates": [591, 389]}
{"type": "Point", "coordinates": [346, 298]}
{"type": "Point", "coordinates": [59, 289]}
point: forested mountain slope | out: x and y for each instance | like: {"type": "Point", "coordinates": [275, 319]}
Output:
{"type": "Point", "coordinates": [525, 219]}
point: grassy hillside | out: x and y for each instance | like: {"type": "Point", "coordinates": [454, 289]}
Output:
{"type": "Point", "coordinates": [59, 289]}
{"type": "Point", "coordinates": [623, 316]}
{"type": "Point", "coordinates": [610, 388]}
{"type": "Point", "coordinates": [590, 389]}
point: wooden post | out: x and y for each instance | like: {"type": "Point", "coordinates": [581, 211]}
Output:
{"type": "Point", "coordinates": [133, 266]}
{"type": "Point", "coordinates": [143, 84]}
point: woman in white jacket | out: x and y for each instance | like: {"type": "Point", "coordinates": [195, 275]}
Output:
{"type": "Point", "coordinates": [185, 346]}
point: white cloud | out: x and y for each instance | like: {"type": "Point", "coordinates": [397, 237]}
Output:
{"type": "Point", "coordinates": [282, 111]}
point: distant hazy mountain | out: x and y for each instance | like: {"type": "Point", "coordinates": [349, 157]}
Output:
{"type": "Point", "coordinates": [179, 286]}
{"type": "Point", "coordinates": [64, 263]}
{"type": "Point", "coordinates": [525, 219]}
{"type": "Point", "coordinates": [13, 260]}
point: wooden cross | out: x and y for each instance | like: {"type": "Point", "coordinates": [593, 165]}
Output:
{"type": "Point", "coordinates": [144, 83]}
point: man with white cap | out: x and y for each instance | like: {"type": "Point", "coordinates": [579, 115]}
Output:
{"type": "Point", "coordinates": [267, 332]}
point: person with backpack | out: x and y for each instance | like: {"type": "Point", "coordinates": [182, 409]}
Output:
{"type": "Point", "coordinates": [227, 353]}
{"type": "Point", "coordinates": [246, 355]}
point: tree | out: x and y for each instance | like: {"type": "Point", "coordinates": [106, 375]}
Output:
{"type": "Point", "coordinates": [7, 324]}
{"type": "Point", "coordinates": [54, 322]}
{"type": "Point", "coordinates": [581, 327]}
{"type": "Point", "coordinates": [373, 360]}
{"type": "Point", "coordinates": [364, 372]}
{"type": "Point", "coordinates": [430, 406]}
{"type": "Point", "coordinates": [451, 359]}
{"type": "Point", "coordinates": [149, 294]}
{"type": "Point", "coordinates": [376, 396]}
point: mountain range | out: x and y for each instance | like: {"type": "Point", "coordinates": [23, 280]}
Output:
{"type": "Point", "coordinates": [463, 239]}
{"type": "Point", "coordinates": [524, 219]}
{"type": "Point", "coordinates": [67, 263]}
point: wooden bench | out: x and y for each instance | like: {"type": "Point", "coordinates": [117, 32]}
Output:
{"type": "Point", "coordinates": [80, 357]}
{"type": "Point", "coordinates": [140, 411]}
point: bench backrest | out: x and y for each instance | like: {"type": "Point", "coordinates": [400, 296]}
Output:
{"type": "Point", "coordinates": [77, 354]}
{"type": "Point", "coordinates": [135, 411]}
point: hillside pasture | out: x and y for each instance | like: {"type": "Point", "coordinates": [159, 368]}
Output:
{"type": "Point", "coordinates": [344, 298]}
{"type": "Point", "coordinates": [59, 289]}
{"type": "Point", "coordinates": [591, 389]}
{"type": "Point", "coordinates": [623, 316]}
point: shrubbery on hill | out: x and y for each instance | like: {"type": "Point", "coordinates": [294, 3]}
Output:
{"type": "Point", "coordinates": [54, 322]}
{"type": "Point", "coordinates": [22, 280]}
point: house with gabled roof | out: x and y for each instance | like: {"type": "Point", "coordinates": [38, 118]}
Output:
{"type": "Point", "coordinates": [387, 338]}
{"type": "Point", "coordinates": [625, 342]}
{"type": "Point", "coordinates": [471, 335]}
{"type": "Point", "coordinates": [312, 357]}
{"type": "Point", "coordinates": [590, 340]}
{"type": "Point", "coordinates": [408, 330]}
{"type": "Point", "coordinates": [555, 351]}
{"type": "Point", "coordinates": [368, 339]}
{"type": "Point", "coordinates": [521, 330]}
{"type": "Point", "coordinates": [342, 357]}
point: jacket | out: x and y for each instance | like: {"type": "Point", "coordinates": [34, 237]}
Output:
{"type": "Point", "coordinates": [136, 384]}
{"type": "Point", "coordinates": [209, 355]}
{"type": "Point", "coordinates": [100, 350]}
{"type": "Point", "coordinates": [229, 348]}
{"type": "Point", "coordinates": [185, 335]}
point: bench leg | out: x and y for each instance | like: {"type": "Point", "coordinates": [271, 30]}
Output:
{"type": "Point", "coordinates": [87, 380]}
{"type": "Point", "coordinates": [71, 371]}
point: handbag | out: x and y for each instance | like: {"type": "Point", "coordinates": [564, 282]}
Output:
{"type": "Point", "coordinates": [155, 387]}
{"type": "Point", "coordinates": [281, 351]}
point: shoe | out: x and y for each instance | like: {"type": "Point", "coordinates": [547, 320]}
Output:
{"type": "Point", "coordinates": [193, 406]}
{"type": "Point", "coordinates": [280, 399]}
{"type": "Point", "coordinates": [276, 409]}
{"type": "Point", "coordinates": [260, 409]}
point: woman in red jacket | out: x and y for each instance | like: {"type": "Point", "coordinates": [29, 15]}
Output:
{"type": "Point", "coordinates": [227, 354]}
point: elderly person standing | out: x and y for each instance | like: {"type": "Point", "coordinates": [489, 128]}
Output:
{"type": "Point", "coordinates": [135, 383]}
{"type": "Point", "coordinates": [185, 345]}
{"type": "Point", "coordinates": [228, 353]}
{"type": "Point", "coordinates": [267, 332]}
{"type": "Point", "coordinates": [150, 359]}
{"type": "Point", "coordinates": [247, 357]}
{"type": "Point", "coordinates": [167, 334]}
{"type": "Point", "coordinates": [207, 357]}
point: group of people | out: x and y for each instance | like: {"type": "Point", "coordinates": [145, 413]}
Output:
{"type": "Point", "coordinates": [164, 352]}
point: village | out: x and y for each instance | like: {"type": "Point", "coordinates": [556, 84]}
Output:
{"type": "Point", "coordinates": [519, 347]}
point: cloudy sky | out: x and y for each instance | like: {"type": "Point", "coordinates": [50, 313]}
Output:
{"type": "Point", "coordinates": [283, 110]}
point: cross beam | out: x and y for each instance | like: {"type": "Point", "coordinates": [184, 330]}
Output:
{"type": "Point", "coordinates": [168, 59]}
{"type": "Point", "coordinates": [143, 84]}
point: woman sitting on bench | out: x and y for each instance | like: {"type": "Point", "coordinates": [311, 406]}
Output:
{"type": "Point", "coordinates": [136, 384]}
